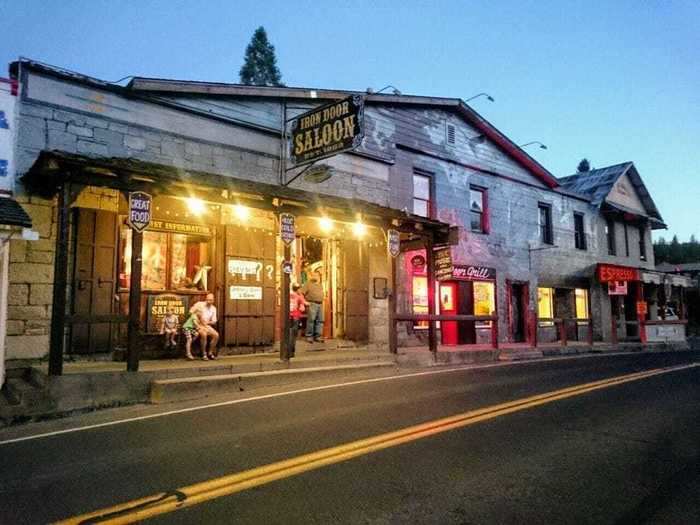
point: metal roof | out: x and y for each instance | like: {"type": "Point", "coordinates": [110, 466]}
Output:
{"type": "Point", "coordinates": [12, 214]}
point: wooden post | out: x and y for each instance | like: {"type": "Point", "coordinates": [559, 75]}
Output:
{"type": "Point", "coordinates": [134, 326]}
{"type": "Point", "coordinates": [286, 323]}
{"type": "Point", "coordinates": [392, 309]}
{"type": "Point", "coordinates": [533, 327]}
{"type": "Point", "coordinates": [641, 317]}
{"type": "Point", "coordinates": [590, 330]}
{"type": "Point", "coordinates": [60, 284]}
{"type": "Point", "coordinates": [430, 263]}
{"type": "Point", "coordinates": [562, 331]}
{"type": "Point", "coordinates": [494, 331]}
{"type": "Point", "coordinates": [613, 334]}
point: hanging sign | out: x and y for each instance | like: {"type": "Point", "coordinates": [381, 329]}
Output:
{"type": "Point", "coordinates": [617, 288]}
{"type": "Point", "coordinates": [327, 130]}
{"type": "Point", "coordinates": [393, 242]}
{"type": "Point", "coordinates": [287, 228]}
{"type": "Point", "coordinates": [443, 264]}
{"type": "Point", "coordinates": [139, 216]}
{"type": "Point", "coordinates": [462, 272]}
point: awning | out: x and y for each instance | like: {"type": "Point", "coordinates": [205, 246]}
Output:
{"type": "Point", "coordinates": [616, 208]}
{"type": "Point", "coordinates": [12, 214]}
{"type": "Point", "coordinates": [651, 277]}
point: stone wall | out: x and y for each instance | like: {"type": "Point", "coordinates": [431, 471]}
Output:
{"type": "Point", "coordinates": [379, 266]}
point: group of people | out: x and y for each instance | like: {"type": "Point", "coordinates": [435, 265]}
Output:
{"type": "Point", "coordinates": [304, 299]}
{"type": "Point", "coordinates": [200, 323]}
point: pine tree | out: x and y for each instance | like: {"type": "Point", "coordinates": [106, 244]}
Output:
{"type": "Point", "coordinates": [675, 252]}
{"type": "Point", "coordinates": [260, 67]}
{"type": "Point", "coordinates": [583, 166]}
{"type": "Point", "coordinates": [661, 251]}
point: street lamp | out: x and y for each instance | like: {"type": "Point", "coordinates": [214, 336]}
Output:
{"type": "Point", "coordinates": [542, 146]}
{"type": "Point", "coordinates": [481, 95]}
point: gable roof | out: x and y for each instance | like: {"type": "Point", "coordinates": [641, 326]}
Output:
{"type": "Point", "coordinates": [598, 183]}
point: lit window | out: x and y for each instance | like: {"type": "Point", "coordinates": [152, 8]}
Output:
{"type": "Point", "coordinates": [477, 209]}
{"type": "Point", "coordinates": [484, 301]}
{"type": "Point", "coordinates": [545, 305]}
{"type": "Point", "coordinates": [420, 298]}
{"type": "Point", "coordinates": [421, 195]}
{"type": "Point", "coordinates": [582, 303]}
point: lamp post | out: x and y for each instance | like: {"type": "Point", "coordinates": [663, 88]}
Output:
{"type": "Point", "coordinates": [542, 146]}
{"type": "Point", "coordinates": [491, 99]}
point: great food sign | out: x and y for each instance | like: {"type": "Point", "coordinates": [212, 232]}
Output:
{"type": "Point", "coordinates": [327, 130]}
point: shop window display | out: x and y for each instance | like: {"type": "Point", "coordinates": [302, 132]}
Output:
{"type": "Point", "coordinates": [581, 303]}
{"type": "Point", "coordinates": [545, 305]}
{"type": "Point", "coordinates": [484, 301]}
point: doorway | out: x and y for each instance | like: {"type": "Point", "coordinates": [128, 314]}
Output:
{"type": "Point", "coordinates": [517, 309]}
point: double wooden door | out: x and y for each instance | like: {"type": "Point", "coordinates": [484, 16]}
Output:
{"type": "Point", "coordinates": [356, 281]}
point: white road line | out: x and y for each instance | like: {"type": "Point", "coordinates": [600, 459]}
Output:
{"type": "Point", "coordinates": [290, 393]}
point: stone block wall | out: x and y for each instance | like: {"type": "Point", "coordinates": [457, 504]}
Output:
{"type": "Point", "coordinates": [379, 266]}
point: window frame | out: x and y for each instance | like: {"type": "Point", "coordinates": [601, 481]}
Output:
{"type": "Point", "coordinates": [431, 194]}
{"type": "Point", "coordinates": [485, 222]}
{"type": "Point", "coordinates": [580, 236]}
{"type": "Point", "coordinates": [546, 231]}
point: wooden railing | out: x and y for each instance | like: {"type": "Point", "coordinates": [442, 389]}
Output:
{"type": "Point", "coordinates": [414, 318]}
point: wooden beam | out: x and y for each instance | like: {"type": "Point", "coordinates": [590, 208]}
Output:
{"type": "Point", "coordinates": [134, 327]}
{"type": "Point", "coordinates": [60, 283]}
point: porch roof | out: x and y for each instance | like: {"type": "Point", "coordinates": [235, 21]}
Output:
{"type": "Point", "coordinates": [52, 168]}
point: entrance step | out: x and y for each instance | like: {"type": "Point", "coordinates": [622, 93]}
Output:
{"type": "Point", "coordinates": [188, 388]}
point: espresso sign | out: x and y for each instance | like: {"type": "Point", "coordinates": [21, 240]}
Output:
{"type": "Point", "coordinates": [611, 272]}
{"type": "Point", "coordinates": [139, 210]}
{"type": "Point", "coordinates": [327, 131]}
{"type": "Point", "coordinates": [443, 264]}
{"type": "Point", "coordinates": [462, 272]}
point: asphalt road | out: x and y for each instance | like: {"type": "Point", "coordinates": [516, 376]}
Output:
{"type": "Point", "coordinates": [628, 453]}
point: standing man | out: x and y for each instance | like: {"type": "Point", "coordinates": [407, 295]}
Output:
{"type": "Point", "coordinates": [313, 293]}
{"type": "Point", "coordinates": [207, 313]}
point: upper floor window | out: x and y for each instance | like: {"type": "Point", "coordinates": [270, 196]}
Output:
{"type": "Point", "coordinates": [610, 235]}
{"type": "Point", "coordinates": [545, 223]}
{"type": "Point", "coordinates": [579, 232]}
{"type": "Point", "coordinates": [478, 209]}
{"type": "Point", "coordinates": [642, 243]}
{"type": "Point", "coordinates": [422, 202]}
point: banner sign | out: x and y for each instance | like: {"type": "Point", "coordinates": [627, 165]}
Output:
{"type": "Point", "coordinates": [287, 228]}
{"type": "Point", "coordinates": [158, 306]}
{"type": "Point", "coordinates": [617, 288]}
{"type": "Point", "coordinates": [139, 216]}
{"type": "Point", "coordinates": [611, 272]}
{"type": "Point", "coordinates": [245, 293]}
{"type": "Point", "coordinates": [443, 264]}
{"type": "Point", "coordinates": [393, 242]}
{"type": "Point", "coordinates": [180, 227]}
{"type": "Point", "coordinates": [463, 272]}
{"type": "Point", "coordinates": [327, 130]}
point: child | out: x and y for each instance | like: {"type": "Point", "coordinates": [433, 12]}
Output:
{"type": "Point", "coordinates": [191, 330]}
{"type": "Point", "coordinates": [297, 305]}
{"type": "Point", "coordinates": [168, 328]}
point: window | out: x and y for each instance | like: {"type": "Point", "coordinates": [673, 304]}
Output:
{"type": "Point", "coordinates": [171, 261]}
{"type": "Point", "coordinates": [610, 235]}
{"type": "Point", "coordinates": [484, 301]}
{"type": "Point", "coordinates": [579, 232]}
{"type": "Point", "coordinates": [545, 305]}
{"type": "Point", "coordinates": [478, 209]}
{"type": "Point", "coordinates": [545, 223]}
{"type": "Point", "coordinates": [627, 240]}
{"type": "Point", "coordinates": [581, 303]}
{"type": "Point", "coordinates": [421, 195]}
{"type": "Point", "coordinates": [642, 243]}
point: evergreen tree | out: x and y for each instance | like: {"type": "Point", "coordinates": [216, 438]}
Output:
{"type": "Point", "coordinates": [675, 251]}
{"type": "Point", "coordinates": [260, 67]}
{"type": "Point", "coordinates": [661, 250]}
{"type": "Point", "coordinates": [583, 166]}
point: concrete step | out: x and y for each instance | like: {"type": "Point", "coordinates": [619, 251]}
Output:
{"type": "Point", "coordinates": [182, 389]}
{"type": "Point", "coordinates": [520, 354]}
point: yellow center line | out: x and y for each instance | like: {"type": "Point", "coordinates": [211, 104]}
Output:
{"type": "Point", "coordinates": [140, 509]}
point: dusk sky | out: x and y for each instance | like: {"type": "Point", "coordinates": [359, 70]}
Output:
{"type": "Point", "coordinates": [611, 81]}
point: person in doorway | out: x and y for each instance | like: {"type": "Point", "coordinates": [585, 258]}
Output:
{"type": "Point", "coordinates": [297, 306]}
{"type": "Point", "coordinates": [169, 327]}
{"type": "Point", "coordinates": [313, 293]}
{"type": "Point", "coordinates": [207, 332]}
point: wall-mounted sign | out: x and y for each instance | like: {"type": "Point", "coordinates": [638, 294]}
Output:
{"type": "Point", "coordinates": [443, 264]}
{"type": "Point", "coordinates": [180, 227]}
{"type": "Point", "coordinates": [393, 242]}
{"type": "Point", "coordinates": [642, 308]}
{"type": "Point", "coordinates": [158, 305]}
{"type": "Point", "coordinates": [617, 288]}
{"type": "Point", "coordinates": [245, 293]}
{"type": "Point", "coordinates": [287, 267]}
{"type": "Point", "coordinates": [245, 268]}
{"type": "Point", "coordinates": [8, 103]}
{"type": "Point", "coordinates": [287, 228]}
{"type": "Point", "coordinates": [327, 130]}
{"type": "Point", "coordinates": [139, 216]}
{"type": "Point", "coordinates": [611, 272]}
{"type": "Point", "coordinates": [418, 262]}
{"type": "Point", "coordinates": [464, 272]}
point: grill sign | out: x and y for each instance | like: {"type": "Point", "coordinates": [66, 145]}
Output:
{"type": "Point", "coordinates": [327, 131]}
{"type": "Point", "coordinates": [473, 273]}
{"type": "Point", "coordinates": [139, 210]}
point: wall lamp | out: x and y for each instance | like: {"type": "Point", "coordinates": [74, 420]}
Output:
{"type": "Point", "coordinates": [542, 146]}
{"type": "Point", "coordinates": [481, 95]}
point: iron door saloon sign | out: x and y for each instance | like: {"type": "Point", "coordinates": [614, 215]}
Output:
{"type": "Point", "coordinates": [327, 130]}
{"type": "Point", "coordinates": [139, 210]}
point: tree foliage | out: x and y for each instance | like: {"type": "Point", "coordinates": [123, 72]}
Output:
{"type": "Point", "coordinates": [583, 166]}
{"type": "Point", "coordinates": [677, 252]}
{"type": "Point", "coordinates": [260, 67]}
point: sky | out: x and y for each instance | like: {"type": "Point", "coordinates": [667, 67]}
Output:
{"type": "Point", "coordinates": [611, 81]}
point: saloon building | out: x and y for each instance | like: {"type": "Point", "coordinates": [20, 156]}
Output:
{"type": "Point", "coordinates": [523, 252]}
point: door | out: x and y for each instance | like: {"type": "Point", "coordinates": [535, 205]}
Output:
{"type": "Point", "coordinates": [467, 329]}
{"type": "Point", "coordinates": [517, 310]}
{"type": "Point", "coordinates": [249, 303]}
{"type": "Point", "coordinates": [94, 280]}
{"type": "Point", "coordinates": [356, 291]}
